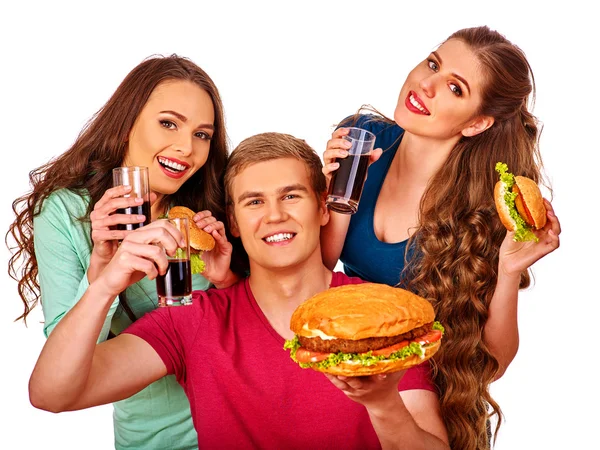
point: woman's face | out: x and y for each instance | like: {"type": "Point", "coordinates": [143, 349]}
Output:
{"type": "Point", "coordinates": [172, 134]}
{"type": "Point", "coordinates": [441, 96]}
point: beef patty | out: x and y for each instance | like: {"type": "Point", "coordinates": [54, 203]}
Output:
{"type": "Point", "coordinates": [316, 344]}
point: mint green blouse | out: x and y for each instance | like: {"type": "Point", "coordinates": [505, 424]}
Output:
{"type": "Point", "coordinates": [159, 416]}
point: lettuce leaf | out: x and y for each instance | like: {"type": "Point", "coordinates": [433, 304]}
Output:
{"type": "Point", "coordinates": [523, 231]}
{"type": "Point", "coordinates": [366, 359]}
{"type": "Point", "coordinates": [198, 265]}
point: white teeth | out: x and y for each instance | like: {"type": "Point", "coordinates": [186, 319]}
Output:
{"type": "Point", "coordinates": [417, 105]}
{"type": "Point", "coordinates": [171, 164]}
{"type": "Point", "coordinates": [279, 237]}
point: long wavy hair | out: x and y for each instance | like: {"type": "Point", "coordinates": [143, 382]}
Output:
{"type": "Point", "coordinates": [86, 167]}
{"type": "Point", "coordinates": [459, 236]}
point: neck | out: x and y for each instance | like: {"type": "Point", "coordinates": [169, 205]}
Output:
{"type": "Point", "coordinates": [418, 158]}
{"type": "Point", "coordinates": [157, 209]}
{"type": "Point", "coordinates": [278, 292]}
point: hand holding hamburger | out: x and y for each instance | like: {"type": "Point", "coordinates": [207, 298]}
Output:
{"type": "Point", "coordinates": [363, 329]}
{"type": "Point", "coordinates": [199, 239]}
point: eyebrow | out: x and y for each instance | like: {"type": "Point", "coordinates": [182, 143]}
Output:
{"type": "Point", "coordinates": [281, 191]}
{"type": "Point", "coordinates": [462, 80]}
{"type": "Point", "coordinates": [181, 117]}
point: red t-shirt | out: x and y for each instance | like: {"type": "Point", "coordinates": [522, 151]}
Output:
{"type": "Point", "coordinates": [243, 387]}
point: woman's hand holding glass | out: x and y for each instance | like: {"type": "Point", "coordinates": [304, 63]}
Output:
{"type": "Point", "coordinates": [337, 147]}
{"type": "Point", "coordinates": [104, 224]}
{"type": "Point", "coordinates": [139, 256]}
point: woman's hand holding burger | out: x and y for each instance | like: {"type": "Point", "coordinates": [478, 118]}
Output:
{"type": "Point", "coordinates": [516, 257]}
{"type": "Point", "coordinates": [533, 228]}
{"type": "Point", "coordinates": [218, 259]}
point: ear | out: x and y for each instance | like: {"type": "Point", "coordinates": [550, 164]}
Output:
{"type": "Point", "coordinates": [324, 211]}
{"type": "Point", "coordinates": [233, 226]}
{"type": "Point", "coordinates": [479, 125]}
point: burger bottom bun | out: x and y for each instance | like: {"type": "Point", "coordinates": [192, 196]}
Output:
{"type": "Point", "coordinates": [347, 369]}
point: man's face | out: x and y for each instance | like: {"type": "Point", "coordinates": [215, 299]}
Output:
{"type": "Point", "coordinates": [277, 215]}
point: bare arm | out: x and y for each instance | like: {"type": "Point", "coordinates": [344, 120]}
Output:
{"type": "Point", "coordinates": [411, 420]}
{"type": "Point", "coordinates": [501, 333]}
{"type": "Point", "coordinates": [334, 233]}
{"type": "Point", "coordinates": [73, 372]}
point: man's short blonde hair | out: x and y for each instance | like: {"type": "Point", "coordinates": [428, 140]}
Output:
{"type": "Point", "coordinates": [269, 146]}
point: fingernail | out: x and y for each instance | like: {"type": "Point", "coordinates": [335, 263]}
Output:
{"type": "Point", "coordinates": [140, 217]}
{"type": "Point", "coordinates": [182, 244]}
{"type": "Point", "coordinates": [347, 144]}
{"type": "Point", "coordinates": [208, 229]}
{"type": "Point", "coordinates": [139, 200]}
{"type": "Point", "coordinates": [343, 153]}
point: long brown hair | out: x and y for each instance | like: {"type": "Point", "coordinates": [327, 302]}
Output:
{"type": "Point", "coordinates": [102, 144]}
{"type": "Point", "coordinates": [457, 242]}
{"type": "Point", "coordinates": [460, 234]}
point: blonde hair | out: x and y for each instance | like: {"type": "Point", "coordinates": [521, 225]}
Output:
{"type": "Point", "coordinates": [269, 146]}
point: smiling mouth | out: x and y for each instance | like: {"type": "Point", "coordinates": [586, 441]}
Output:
{"type": "Point", "coordinates": [413, 101]}
{"type": "Point", "coordinates": [280, 237]}
{"type": "Point", "coordinates": [171, 166]}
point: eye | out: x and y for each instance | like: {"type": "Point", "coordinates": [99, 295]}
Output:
{"type": "Point", "coordinates": [254, 202]}
{"type": "Point", "coordinates": [167, 124]}
{"type": "Point", "coordinates": [433, 65]}
{"type": "Point", "coordinates": [203, 135]}
{"type": "Point", "coordinates": [291, 197]}
{"type": "Point", "coordinates": [456, 90]}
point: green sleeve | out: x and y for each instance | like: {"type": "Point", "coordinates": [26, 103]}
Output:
{"type": "Point", "coordinates": [63, 247]}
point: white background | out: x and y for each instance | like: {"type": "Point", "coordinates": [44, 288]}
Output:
{"type": "Point", "coordinates": [299, 69]}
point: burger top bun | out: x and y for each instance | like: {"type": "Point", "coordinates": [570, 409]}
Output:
{"type": "Point", "coordinates": [350, 369]}
{"type": "Point", "coordinates": [199, 239]}
{"type": "Point", "coordinates": [533, 200]}
{"type": "Point", "coordinates": [359, 311]}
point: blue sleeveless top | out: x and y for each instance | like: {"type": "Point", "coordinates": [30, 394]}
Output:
{"type": "Point", "coordinates": [364, 255]}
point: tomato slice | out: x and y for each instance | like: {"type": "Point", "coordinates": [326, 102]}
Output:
{"type": "Point", "coordinates": [306, 356]}
{"type": "Point", "coordinates": [387, 351]}
{"type": "Point", "coordinates": [432, 336]}
{"type": "Point", "coordinates": [522, 207]}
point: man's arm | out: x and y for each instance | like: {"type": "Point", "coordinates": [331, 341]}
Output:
{"type": "Point", "coordinates": [411, 420]}
{"type": "Point", "coordinates": [73, 372]}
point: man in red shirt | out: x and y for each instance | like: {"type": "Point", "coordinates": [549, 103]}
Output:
{"type": "Point", "coordinates": [226, 349]}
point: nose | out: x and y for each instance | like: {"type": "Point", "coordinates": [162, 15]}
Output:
{"type": "Point", "coordinates": [275, 212]}
{"type": "Point", "coordinates": [184, 145]}
{"type": "Point", "coordinates": [428, 85]}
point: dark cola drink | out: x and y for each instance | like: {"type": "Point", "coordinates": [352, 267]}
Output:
{"type": "Point", "coordinates": [347, 183]}
{"type": "Point", "coordinates": [175, 287]}
{"type": "Point", "coordinates": [144, 209]}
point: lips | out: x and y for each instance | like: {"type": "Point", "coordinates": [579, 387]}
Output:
{"type": "Point", "coordinates": [415, 104]}
{"type": "Point", "coordinates": [172, 167]}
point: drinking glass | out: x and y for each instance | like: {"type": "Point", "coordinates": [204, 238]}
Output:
{"type": "Point", "coordinates": [174, 288]}
{"type": "Point", "coordinates": [348, 180]}
{"type": "Point", "coordinates": [137, 178]}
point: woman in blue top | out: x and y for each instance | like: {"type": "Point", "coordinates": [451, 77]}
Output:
{"type": "Point", "coordinates": [166, 115]}
{"type": "Point", "coordinates": [428, 200]}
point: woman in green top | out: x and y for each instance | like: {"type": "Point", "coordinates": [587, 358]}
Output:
{"type": "Point", "coordinates": [166, 115]}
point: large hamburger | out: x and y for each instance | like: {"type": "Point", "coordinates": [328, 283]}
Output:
{"type": "Point", "coordinates": [199, 239]}
{"type": "Point", "coordinates": [363, 329]}
{"type": "Point", "coordinates": [520, 204]}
